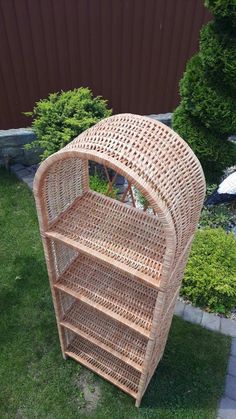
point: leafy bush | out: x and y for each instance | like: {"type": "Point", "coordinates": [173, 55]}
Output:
{"type": "Point", "coordinates": [208, 103]}
{"type": "Point", "coordinates": [218, 56]}
{"type": "Point", "coordinates": [218, 216]}
{"type": "Point", "coordinates": [222, 215]}
{"type": "Point", "coordinates": [98, 184]}
{"type": "Point", "coordinates": [210, 276]}
{"type": "Point", "coordinates": [62, 116]}
{"type": "Point", "coordinates": [213, 152]}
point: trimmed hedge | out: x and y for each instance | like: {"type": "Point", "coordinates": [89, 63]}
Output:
{"type": "Point", "coordinates": [213, 152]}
{"type": "Point", "coordinates": [218, 56]}
{"type": "Point", "coordinates": [210, 276]}
{"type": "Point", "coordinates": [215, 109]}
{"type": "Point", "coordinates": [62, 116]}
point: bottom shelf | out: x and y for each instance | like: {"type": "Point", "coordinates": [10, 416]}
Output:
{"type": "Point", "coordinates": [104, 364]}
{"type": "Point", "coordinates": [104, 331]}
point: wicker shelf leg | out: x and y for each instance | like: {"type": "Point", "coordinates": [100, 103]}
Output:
{"type": "Point", "coordinates": [137, 402]}
{"type": "Point", "coordinates": [52, 277]}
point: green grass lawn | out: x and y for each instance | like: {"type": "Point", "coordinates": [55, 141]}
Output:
{"type": "Point", "coordinates": [35, 381]}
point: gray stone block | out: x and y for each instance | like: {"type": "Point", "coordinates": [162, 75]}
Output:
{"type": "Point", "coordinates": [12, 152]}
{"type": "Point", "coordinates": [228, 327]}
{"type": "Point", "coordinates": [28, 178]}
{"type": "Point", "coordinates": [31, 157]}
{"type": "Point", "coordinates": [16, 167]}
{"type": "Point", "coordinates": [227, 409]}
{"type": "Point", "coordinates": [210, 321]}
{"type": "Point", "coordinates": [192, 314]}
{"type": "Point", "coordinates": [233, 347]}
{"type": "Point", "coordinates": [230, 386]}
{"type": "Point", "coordinates": [165, 118]}
{"type": "Point", "coordinates": [12, 144]}
{"type": "Point", "coordinates": [232, 365]}
{"type": "Point", "coordinates": [232, 138]}
{"type": "Point", "coordinates": [23, 173]}
{"type": "Point", "coordinates": [18, 136]}
{"type": "Point", "coordinates": [179, 308]}
{"type": "Point", "coordinates": [29, 182]}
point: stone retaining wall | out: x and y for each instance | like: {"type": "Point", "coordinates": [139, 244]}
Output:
{"type": "Point", "coordinates": [12, 150]}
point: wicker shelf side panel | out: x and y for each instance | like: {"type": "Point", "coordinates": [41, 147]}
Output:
{"type": "Point", "coordinates": [62, 257]}
{"type": "Point", "coordinates": [160, 340]}
{"type": "Point", "coordinates": [64, 181]}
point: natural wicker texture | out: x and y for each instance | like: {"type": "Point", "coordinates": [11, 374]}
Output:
{"type": "Point", "coordinates": [129, 238]}
{"type": "Point", "coordinates": [105, 332]}
{"type": "Point", "coordinates": [122, 297]}
{"type": "Point", "coordinates": [115, 271]}
{"type": "Point", "coordinates": [105, 364]}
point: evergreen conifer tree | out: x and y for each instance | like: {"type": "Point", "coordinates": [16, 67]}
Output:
{"type": "Point", "coordinates": [206, 116]}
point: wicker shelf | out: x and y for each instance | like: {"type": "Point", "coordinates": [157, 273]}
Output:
{"type": "Point", "coordinates": [113, 237]}
{"type": "Point", "coordinates": [104, 364]}
{"type": "Point", "coordinates": [115, 271]}
{"type": "Point", "coordinates": [124, 298]}
{"type": "Point", "coordinates": [101, 330]}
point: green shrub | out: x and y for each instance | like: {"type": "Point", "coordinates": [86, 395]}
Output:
{"type": "Point", "coordinates": [217, 216]}
{"type": "Point", "coordinates": [209, 104]}
{"type": "Point", "coordinates": [98, 184]}
{"type": "Point", "coordinates": [208, 93]}
{"type": "Point", "coordinates": [62, 116]}
{"type": "Point", "coordinates": [213, 152]}
{"type": "Point", "coordinates": [210, 276]}
{"type": "Point", "coordinates": [218, 56]}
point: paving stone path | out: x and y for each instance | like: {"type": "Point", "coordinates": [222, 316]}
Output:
{"type": "Point", "coordinates": [227, 406]}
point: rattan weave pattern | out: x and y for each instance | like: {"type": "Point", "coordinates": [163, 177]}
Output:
{"type": "Point", "coordinates": [158, 156]}
{"type": "Point", "coordinates": [116, 338]}
{"type": "Point", "coordinates": [117, 261]}
{"type": "Point", "coordinates": [105, 363]}
{"type": "Point", "coordinates": [123, 297]}
{"type": "Point", "coordinates": [126, 235]}
{"type": "Point", "coordinates": [63, 186]}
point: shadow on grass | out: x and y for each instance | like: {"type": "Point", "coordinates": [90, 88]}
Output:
{"type": "Point", "coordinates": [25, 298]}
{"type": "Point", "coordinates": [191, 373]}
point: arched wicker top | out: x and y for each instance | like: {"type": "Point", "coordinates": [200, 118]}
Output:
{"type": "Point", "coordinates": [153, 157]}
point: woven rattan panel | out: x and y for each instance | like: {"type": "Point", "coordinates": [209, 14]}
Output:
{"type": "Point", "coordinates": [123, 297]}
{"type": "Point", "coordinates": [126, 235]}
{"type": "Point", "coordinates": [104, 363]}
{"type": "Point", "coordinates": [156, 155]}
{"type": "Point", "coordinates": [62, 184]}
{"type": "Point", "coordinates": [104, 331]}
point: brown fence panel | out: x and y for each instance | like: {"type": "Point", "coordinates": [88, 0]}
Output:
{"type": "Point", "coordinates": [132, 52]}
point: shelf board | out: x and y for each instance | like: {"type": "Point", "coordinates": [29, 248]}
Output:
{"type": "Point", "coordinates": [106, 333]}
{"type": "Point", "coordinates": [104, 364]}
{"type": "Point", "coordinates": [108, 290]}
{"type": "Point", "coordinates": [125, 237]}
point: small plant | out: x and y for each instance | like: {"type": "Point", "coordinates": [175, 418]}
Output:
{"type": "Point", "coordinates": [98, 184]}
{"type": "Point", "coordinates": [62, 116]}
{"type": "Point", "coordinates": [210, 275]}
{"type": "Point", "coordinates": [218, 216]}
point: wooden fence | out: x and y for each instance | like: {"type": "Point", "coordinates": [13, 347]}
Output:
{"type": "Point", "coordinates": [132, 52]}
